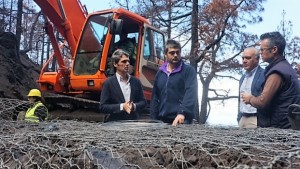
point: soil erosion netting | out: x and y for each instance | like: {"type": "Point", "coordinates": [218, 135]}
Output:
{"type": "Point", "coordinates": [142, 144]}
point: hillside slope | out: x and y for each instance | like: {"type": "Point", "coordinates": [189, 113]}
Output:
{"type": "Point", "coordinates": [17, 75]}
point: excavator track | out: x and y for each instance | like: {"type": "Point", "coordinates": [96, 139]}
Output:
{"type": "Point", "coordinates": [73, 108]}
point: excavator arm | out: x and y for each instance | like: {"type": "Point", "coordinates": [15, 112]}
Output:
{"type": "Point", "coordinates": [67, 16]}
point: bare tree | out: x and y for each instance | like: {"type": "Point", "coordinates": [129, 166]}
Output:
{"type": "Point", "coordinates": [170, 16]}
{"type": "Point", "coordinates": [29, 39]}
{"type": "Point", "coordinates": [19, 23]}
{"type": "Point", "coordinates": [20, 17]}
{"type": "Point", "coordinates": [221, 40]}
{"type": "Point", "coordinates": [195, 42]}
{"type": "Point", "coordinates": [292, 51]}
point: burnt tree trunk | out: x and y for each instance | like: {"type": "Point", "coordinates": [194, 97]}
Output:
{"type": "Point", "coordinates": [19, 24]}
{"type": "Point", "coordinates": [194, 45]}
{"type": "Point", "coordinates": [31, 34]}
{"type": "Point", "coordinates": [204, 101]}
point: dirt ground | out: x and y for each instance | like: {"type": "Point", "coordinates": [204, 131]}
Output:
{"type": "Point", "coordinates": [145, 145]}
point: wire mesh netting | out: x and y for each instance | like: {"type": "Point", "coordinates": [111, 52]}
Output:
{"type": "Point", "coordinates": [142, 144]}
{"type": "Point", "coordinates": [10, 107]}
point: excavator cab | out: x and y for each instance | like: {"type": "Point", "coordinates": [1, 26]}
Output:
{"type": "Point", "coordinates": [90, 48]}
{"type": "Point", "coordinates": [76, 77]}
{"type": "Point", "coordinates": [99, 39]}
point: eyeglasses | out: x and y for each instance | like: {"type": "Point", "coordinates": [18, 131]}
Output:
{"type": "Point", "coordinates": [173, 52]}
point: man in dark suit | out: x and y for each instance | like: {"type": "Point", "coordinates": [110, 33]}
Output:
{"type": "Point", "coordinates": [122, 96]}
{"type": "Point", "coordinates": [251, 82]}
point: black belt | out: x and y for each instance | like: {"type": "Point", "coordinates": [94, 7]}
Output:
{"type": "Point", "coordinates": [249, 114]}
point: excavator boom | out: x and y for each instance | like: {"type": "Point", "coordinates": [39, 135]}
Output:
{"type": "Point", "coordinates": [67, 16]}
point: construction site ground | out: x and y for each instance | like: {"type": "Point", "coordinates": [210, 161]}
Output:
{"type": "Point", "coordinates": [64, 144]}
{"type": "Point", "coordinates": [140, 144]}
{"type": "Point", "coordinates": [145, 145]}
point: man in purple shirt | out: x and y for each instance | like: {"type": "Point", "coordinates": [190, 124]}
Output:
{"type": "Point", "coordinates": [175, 90]}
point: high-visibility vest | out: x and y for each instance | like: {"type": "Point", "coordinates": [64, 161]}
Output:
{"type": "Point", "coordinates": [30, 116]}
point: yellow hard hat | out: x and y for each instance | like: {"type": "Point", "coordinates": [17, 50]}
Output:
{"type": "Point", "coordinates": [35, 92]}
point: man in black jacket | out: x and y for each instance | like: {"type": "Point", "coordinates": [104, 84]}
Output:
{"type": "Point", "coordinates": [122, 96]}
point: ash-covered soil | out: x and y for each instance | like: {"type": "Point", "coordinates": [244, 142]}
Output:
{"type": "Point", "coordinates": [146, 145]}
{"type": "Point", "coordinates": [18, 74]}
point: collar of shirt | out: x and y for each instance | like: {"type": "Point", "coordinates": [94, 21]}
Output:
{"type": "Point", "coordinates": [120, 78]}
{"type": "Point", "coordinates": [164, 68]}
{"type": "Point", "coordinates": [249, 74]}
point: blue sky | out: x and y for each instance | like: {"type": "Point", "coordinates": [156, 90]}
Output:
{"type": "Point", "coordinates": [93, 5]}
{"type": "Point", "coordinates": [271, 16]}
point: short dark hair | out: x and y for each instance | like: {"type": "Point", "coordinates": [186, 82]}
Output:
{"type": "Point", "coordinates": [172, 44]}
{"type": "Point", "coordinates": [116, 56]}
{"type": "Point", "coordinates": [275, 39]}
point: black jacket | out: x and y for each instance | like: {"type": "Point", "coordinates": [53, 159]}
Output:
{"type": "Point", "coordinates": [174, 94]}
{"type": "Point", "coordinates": [112, 97]}
{"type": "Point", "coordinates": [287, 94]}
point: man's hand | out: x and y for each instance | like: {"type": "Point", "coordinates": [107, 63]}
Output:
{"type": "Point", "coordinates": [246, 98]}
{"type": "Point", "coordinates": [178, 120]}
{"type": "Point", "coordinates": [128, 107]}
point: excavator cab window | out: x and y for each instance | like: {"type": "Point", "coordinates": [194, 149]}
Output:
{"type": "Point", "coordinates": [128, 43]}
{"type": "Point", "coordinates": [154, 46]}
{"type": "Point", "coordinates": [153, 57]}
{"type": "Point", "coordinates": [127, 40]}
{"type": "Point", "coordinates": [89, 51]}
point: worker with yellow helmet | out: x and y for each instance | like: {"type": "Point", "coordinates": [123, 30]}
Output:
{"type": "Point", "coordinates": [37, 111]}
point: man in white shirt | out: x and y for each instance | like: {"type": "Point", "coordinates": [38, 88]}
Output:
{"type": "Point", "coordinates": [122, 95]}
{"type": "Point", "coordinates": [250, 82]}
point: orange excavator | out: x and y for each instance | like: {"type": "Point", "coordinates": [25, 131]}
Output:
{"type": "Point", "coordinates": [76, 78]}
